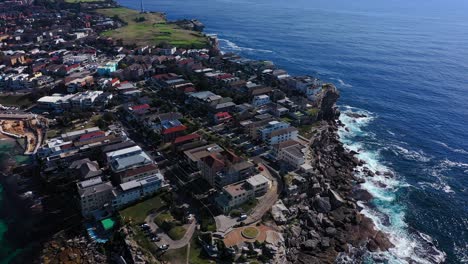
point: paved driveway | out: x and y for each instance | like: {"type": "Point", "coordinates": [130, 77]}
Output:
{"type": "Point", "coordinates": [267, 201]}
{"type": "Point", "coordinates": [165, 239]}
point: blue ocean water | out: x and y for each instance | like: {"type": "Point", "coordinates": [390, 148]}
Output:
{"type": "Point", "coordinates": [402, 63]}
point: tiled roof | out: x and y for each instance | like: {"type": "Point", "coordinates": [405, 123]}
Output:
{"type": "Point", "coordinates": [138, 170]}
{"type": "Point", "coordinates": [92, 135]}
{"type": "Point", "coordinates": [140, 107]}
{"type": "Point", "coordinates": [186, 138]}
{"type": "Point", "coordinates": [174, 129]}
{"type": "Point", "coordinates": [223, 115]}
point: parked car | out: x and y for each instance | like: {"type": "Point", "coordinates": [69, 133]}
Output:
{"type": "Point", "coordinates": [242, 217]}
{"type": "Point", "coordinates": [155, 238]}
{"type": "Point", "coordinates": [164, 247]}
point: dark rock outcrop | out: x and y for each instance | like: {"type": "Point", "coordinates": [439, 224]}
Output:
{"type": "Point", "coordinates": [329, 223]}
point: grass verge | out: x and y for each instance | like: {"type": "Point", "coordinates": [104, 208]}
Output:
{"type": "Point", "coordinates": [138, 212]}
{"type": "Point", "coordinates": [177, 233]}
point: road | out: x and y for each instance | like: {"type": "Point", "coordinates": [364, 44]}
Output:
{"type": "Point", "coordinates": [267, 201]}
{"type": "Point", "coordinates": [165, 239]}
{"type": "Point", "coordinates": [224, 224]}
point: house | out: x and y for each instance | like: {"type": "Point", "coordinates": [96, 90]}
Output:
{"type": "Point", "coordinates": [222, 117]}
{"type": "Point", "coordinates": [260, 100]}
{"type": "Point", "coordinates": [195, 155]}
{"type": "Point", "coordinates": [107, 68]}
{"type": "Point", "coordinates": [291, 152]}
{"type": "Point", "coordinates": [137, 112]}
{"type": "Point", "coordinates": [236, 194]}
{"type": "Point", "coordinates": [266, 131]}
{"type": "Point", "coordinates": [85, 100]}
{"type": "Point", "coordinates": [186, 139]}
{"type": "Point", "coordinates": [85, 169]}
{"type": "Point", "coordinates": [281, 135]}
{"type": "Point", "coordinates": [225, 167]}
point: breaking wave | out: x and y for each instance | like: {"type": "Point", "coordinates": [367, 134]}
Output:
{"type": "Point", "coordinates": [410, 154]}
{"type": "Point", "coordinates": [231, 46]}
{"type": "Point", "coordinates": [385, 211]}
{"type": "Point", "coordinates": [342, 83]}
{"type": "Point", "coordinates": [456, 150]}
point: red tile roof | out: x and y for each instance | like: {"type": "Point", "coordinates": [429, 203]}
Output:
{"type": "Point", "coordinates": [190, 89]}
{"type": "Point", "coordinates": [67, 146]}
{"type": "Point", "coordinates": [138, 170]}
{"type": "Point", "coordinates": [92, 135]}
{"type": "Point", "coordinates": [223, 115]}
{"type": "Point", "coordinates": [224, 76]}
{"type": "Point", "coordinates": [174, 129]}
{"type": "Point", "coordinates": [140, 107]}
{"type": "Point", "coordinates": [186, 138]}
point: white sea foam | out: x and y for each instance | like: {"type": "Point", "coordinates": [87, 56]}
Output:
{"type": "Point", "coordinates": [410, 154]}
{"type": "Point", "coordinates": [461, 251]}
{"type": "Point", "coordinates": [387, 215]}
{"type": "Point", "coordinates": [456, 150]}
{"type": "Point", "coordinates": [231, 46]}
{"type": "Point", "coordinates": [342, 83]}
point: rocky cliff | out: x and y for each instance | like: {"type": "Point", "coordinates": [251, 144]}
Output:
{"type": "Point", "coordinates": [328, 221]}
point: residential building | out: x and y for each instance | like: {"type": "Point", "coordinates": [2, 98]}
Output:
{"type": "Point", "coordinates": [194, 156]}
{"type": "Point", "coordinates": [94, 194]}
{"type": "Point", "coordinates": [236, 194]}
{"type": "Point", "coordinates": [132, 191]}
{"type": "Point", "coordinates": [260, 100]}
{"type": "Point", "coordinates": [137, 173]}
{"type": "Point", "coordinates": [291, 152]}
{"type": "Point", "coordinates": [127, 158]}
{"type": "Point", "coordinates": [266, 131]}
{"type": "Point", "coordinates": [107, 68]}
{"type": "Point", "coordinates": [222, 117]}
{"type": "Point", "coordinates": [281, 135]}
{"type": "Point", "coordinates": [223, 168]}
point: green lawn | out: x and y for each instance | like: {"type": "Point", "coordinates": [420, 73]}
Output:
{"type": "Point", "coordinates": [250, 232]}
{"type": "Point", "coordinates": [153, 30]}
{"type": "Point", "coordinates": [177, 233]}
{"type": "Point", "coordinates": [15, 100]}
{"type": "Point", "coordinates": [249, 205]}
{"type": "Point", "coordinates": [163, 217]}
{"type": "Point", "coordinates": [313, 111]}
{"type": "Point", "coordinates": [196, 252]}
{"type": "Point", "coordinates": [137, 213]}
{"type": "Point", "coordinates": [176, 255]}
{"type": "Point", "coordinates": [306, 130]}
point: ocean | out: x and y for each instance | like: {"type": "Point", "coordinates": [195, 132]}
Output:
{"type": "Point", "coordinates": [404, 65]}
{"type": "Point", "coordinates": [8, 250]}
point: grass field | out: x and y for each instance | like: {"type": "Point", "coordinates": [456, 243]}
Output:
{"type": "Point", "coordinates": [176, 255]}
{"type": "Point", "coordinates": [137, 213]}
{"type": "Point", "coordinates": [152, 30]}
{"type": "Point", "coordinates": [163, 217]}
{"type": "Point", "coordinates": [177, 233]}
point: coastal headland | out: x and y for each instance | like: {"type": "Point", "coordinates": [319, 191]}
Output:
{"type": "Point", "coordinates": [197, 156]}
{"type": "Point", "coordinates": [150, 28]}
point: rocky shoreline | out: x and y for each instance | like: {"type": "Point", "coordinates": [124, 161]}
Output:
{"type": "Point", "coordinates": [328, 226]}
